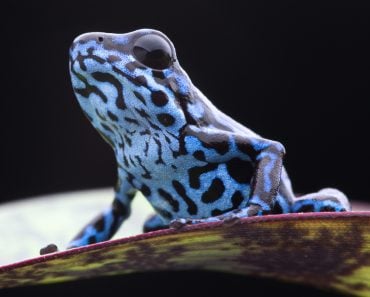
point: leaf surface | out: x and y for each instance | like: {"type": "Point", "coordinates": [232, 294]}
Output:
{"type": "Point", "coordinates": [325, 250]}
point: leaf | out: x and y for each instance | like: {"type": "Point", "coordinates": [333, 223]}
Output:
{"type": "Point", "coordinates": [325, 250]}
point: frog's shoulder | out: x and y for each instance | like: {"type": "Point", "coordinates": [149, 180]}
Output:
{"type": "Point", "coordinates": [208, 116]}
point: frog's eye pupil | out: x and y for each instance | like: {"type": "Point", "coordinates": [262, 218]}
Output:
{"type": "Point", "coordinates": [153, 51]}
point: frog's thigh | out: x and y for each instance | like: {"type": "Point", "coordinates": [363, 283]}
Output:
{"type": "Point", "coordinates": [325, 200]}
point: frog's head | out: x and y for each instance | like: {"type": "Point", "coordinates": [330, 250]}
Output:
{"type": "Point", "coordinates": [129, 79]}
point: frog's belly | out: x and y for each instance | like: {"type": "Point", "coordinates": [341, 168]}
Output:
{"type": "Point", "coordinates": [197, 192]}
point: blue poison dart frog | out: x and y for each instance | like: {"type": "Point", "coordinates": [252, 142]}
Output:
{"type": "Point", "coordinates": [191, 161]}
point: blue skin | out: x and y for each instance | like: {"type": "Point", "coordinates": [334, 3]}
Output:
{"type": "Point", "coordinates": [192, 162]}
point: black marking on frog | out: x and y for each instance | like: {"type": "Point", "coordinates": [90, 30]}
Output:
{"type": "Point", "coordinates": [214, 192]}
{"type": "Point", "coordinates": [192, 207]}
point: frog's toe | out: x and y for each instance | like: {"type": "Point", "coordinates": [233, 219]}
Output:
{"type": "Point", "coordinates": [232, 219]}
{"type": "Point", "coordinates": [337, 195]}
{"type": "Point", "coordinates": [325, 200]}
{"type": "Point", "coordinates": [249, 211]}
{"type": "Point", "coordinates": [179, 223]}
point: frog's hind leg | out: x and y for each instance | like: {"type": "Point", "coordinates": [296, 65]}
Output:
{"type": "Point", "coordinates": [154, 223]}
{"type": "Point", "coordinates": [325, 200]}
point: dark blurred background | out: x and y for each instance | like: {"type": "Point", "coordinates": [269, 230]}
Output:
{"type": "Point", "coordinates": [294, 73]}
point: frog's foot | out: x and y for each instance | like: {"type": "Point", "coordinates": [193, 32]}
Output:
{"type": "Point", "coordinates": [325, 200]}
{"type": "Point", "coordinates": [154, 223]}
{"type": "Point", "coordinates": [231, 217]}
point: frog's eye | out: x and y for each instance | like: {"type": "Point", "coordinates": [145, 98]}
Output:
{"type": "Point", "coordinates": [153, 51]}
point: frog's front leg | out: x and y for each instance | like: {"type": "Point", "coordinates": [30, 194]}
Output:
{"type": "Point", "coordinates": [106, 224]}
{"type": "Point", "coordinates": [267, 157]}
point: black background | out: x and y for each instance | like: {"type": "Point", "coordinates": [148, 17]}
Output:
{"type": "Point", "coordinates": [293, 72]}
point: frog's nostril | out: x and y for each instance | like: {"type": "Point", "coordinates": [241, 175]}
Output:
{"type": "Point", "coordinates": [100, 39]}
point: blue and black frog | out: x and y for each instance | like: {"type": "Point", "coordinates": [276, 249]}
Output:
{"type": "Point", "coordinates": [192, 162]}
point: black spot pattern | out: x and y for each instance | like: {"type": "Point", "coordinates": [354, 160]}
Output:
{"type": "Point", "coordinates": [154, 126]}
{"type": "Point", "coordinates": [125, 161]}
{"type": "Point", "coordinates": [159, 98]}
{"type": "Point", "coordinates": [158, 74]}
{"type": "Point", "coordinates": [89, 89]}
{"type": "Point", "coordinates": [168, 197]}
{"type": "Point", "coordinates": [167, 139]}
{"type": "Point", "coordinates": [146, 149]}
{"type": "Point", "coordinates": [127, 140]}
{"type": "Point", "coordinates": [277, 208]}
{"type": "Point", "coordinates": [145, 132]}
{"type": "Point", "coordinates": [112, 116]}
{"type": "Point", "coordinates": [131, 120]}
{"type": "Point", "coordinates": [130, 66]}
{"type": "Point", "coordinates": [327, 208]}
{"type": "Point", "coordinates": [197, 171]}
{"type": "Point", "coordinates": [142, 113]}
{"type": "Point", "coordinates": [107, 77]}
{"type": "Point", "coordinates": [179, 188]}
{"type": "Point", "coordinates": [141, 80]}
{"type": "Point", "coordinates": [99, 225]}
{"type": "Point", "coordinates": [146, 173]}
{"type": "Point", "coordinates": [130, 132]}
{"type": "Point", "coordinates": [107, 128]}
{"type": "Point", "coordinates": [139, 97]}
{"type": "Point", "coordinates": [159, 151]}
{"type": "Point", "coordinates": [130, 179]}
{"type": "Point", "coordinates": [92, 239]}
{"type": "Point", "coordinates": [101, 117]}
{"type": "Point", "coordinates": [199, 155]}
{"type": "Point", "coordinates": [132, 161]}
{"type": "Point", "coordinates": [236, 200]}
{"type": "Point", "coordinates": [166, 119]}
{"type": "Point", "coordinates": [246, 148]}
{"type": "Point", "coordinates": [119, 209]}
{"type": "Point", "coordinates": [145, 190]}
{"type": "Point", "coordinates": [218, 142]}
{"type": "Point", "coordinates": [214, 192]}
{"type": "Point", "coordinates": [81, 58]}
{"type": "Point", "coordinates": [306, 208]}
{"type": "Point", "coordinates": [217, 212]}
{"type": "Point", "coordinates": [164, 213]}
{"type": "Point", "coordinates": [113, 58]}
{"type": "Point", "coordinates": [241, 171]}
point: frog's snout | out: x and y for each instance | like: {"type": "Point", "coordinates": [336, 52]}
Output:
{"type": "Point", "coordinates": [82, 39]}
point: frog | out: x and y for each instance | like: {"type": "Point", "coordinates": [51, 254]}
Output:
{"type": "Point", "coordinates": [192, 162]}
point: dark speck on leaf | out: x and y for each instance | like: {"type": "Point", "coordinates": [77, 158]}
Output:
{"type": "Point", "coordinates": [50, 248]}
